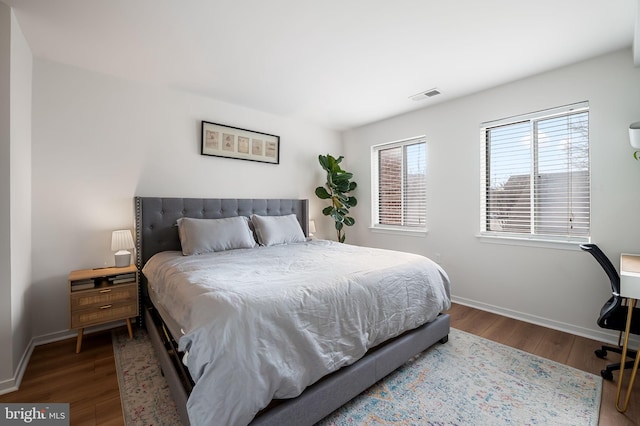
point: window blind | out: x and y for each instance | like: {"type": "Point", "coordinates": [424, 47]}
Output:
{"type": "Point", "coordinates": [400, 188]}
{"type": "Point", "coordinates": [536, 175]}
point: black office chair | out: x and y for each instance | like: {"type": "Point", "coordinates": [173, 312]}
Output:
{"type": "Point", "coordinates": [613, 315]}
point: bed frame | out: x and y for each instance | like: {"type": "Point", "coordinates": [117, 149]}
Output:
{"type": "Point", "coordinates": [156, 231]}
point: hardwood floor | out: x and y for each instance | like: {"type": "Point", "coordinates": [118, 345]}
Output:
{"type": "Point", "coordinates": [88, 380]}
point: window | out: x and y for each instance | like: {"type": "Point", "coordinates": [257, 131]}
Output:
{"type": "Point", "coordinates": [399, 185]}
{"type": "Point", "coordinates": [535, 175]}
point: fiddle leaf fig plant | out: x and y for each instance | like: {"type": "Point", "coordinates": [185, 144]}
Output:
{"type": "Point", "coordinates": [338, 185]}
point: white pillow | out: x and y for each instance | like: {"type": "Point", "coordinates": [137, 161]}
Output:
{"type": "Point", "coordinates": [272, 230]}
{"type": "Point", "coordinates": [199, 236]}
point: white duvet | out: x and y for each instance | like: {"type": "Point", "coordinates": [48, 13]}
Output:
{"type": "Point", "coordinates": [266, 322]}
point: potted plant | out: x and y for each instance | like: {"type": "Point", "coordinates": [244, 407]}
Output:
{"type": "Point", "coordinates": [336, 189]}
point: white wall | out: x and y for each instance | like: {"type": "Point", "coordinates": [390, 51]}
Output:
{"type": "Point", "coordinates": [20, 99]}
{"type": "Point", "coordinates": [15, 199]}
{"type": "Point", "coordinates": [98, 141]}
{"type": "Point", "coordinates": [563, 289]}
{"type": "Point", "coordinates": [6, 370]}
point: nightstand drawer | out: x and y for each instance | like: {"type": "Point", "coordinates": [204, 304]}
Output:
{"type": "Point", "coordinates": [103, 313]}
{"type": "Point", "coordinates": [104, 296]}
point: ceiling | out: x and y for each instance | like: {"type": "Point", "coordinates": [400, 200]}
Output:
{"type": "Point", "coordinates": [338, 63]}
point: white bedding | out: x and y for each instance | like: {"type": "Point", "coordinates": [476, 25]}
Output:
{"type": "Point", "coordinates": [266, 322]}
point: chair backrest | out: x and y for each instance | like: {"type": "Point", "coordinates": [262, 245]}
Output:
{"type": "Point", "coordinates": [606, 264]}
{"type": "Point", "coordinates": [615, 302]}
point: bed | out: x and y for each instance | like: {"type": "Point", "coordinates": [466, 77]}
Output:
{"type": "Point", "coordinates": [306, 360]}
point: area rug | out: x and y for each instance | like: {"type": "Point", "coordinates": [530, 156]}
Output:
{"type": "Point", "coordinates": [474, 381]}
{"type": "Point", "coordinates": [467, 381]}
{"type": "Point", "coordinates": [144, 392]}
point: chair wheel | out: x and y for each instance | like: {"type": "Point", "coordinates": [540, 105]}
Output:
{"type": "Point", "coordinates": [600, 353]}
{"type": "Point", "coordinates": [606, 374]}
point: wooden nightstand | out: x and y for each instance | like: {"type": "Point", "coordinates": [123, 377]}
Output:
{"type": "Point", "coordinates": [99, 296]}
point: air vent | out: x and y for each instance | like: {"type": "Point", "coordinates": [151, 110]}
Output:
{"type": "Point", "coordinates": [424, 95]}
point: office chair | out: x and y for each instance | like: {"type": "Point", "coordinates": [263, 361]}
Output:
{"type": "Point", "coordinates": [613, 315]}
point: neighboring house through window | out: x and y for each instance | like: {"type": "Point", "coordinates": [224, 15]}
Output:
{"type": "Point", "coordinates": [399, 185]}
{"type": "Point", "coordinates": [536, 176]}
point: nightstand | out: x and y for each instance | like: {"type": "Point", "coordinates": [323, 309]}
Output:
{"type": "Point", "coordinates": [100, 296]}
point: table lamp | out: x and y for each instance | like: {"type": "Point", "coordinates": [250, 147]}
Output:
{"type": "Point", "coordinates": [121, 243]}
{"type": "Point", "coordinates": [312, 227]}
{"type": "Point", "coordinates": [634, 134]}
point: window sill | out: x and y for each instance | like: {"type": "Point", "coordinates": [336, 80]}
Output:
{"type": "Point", "coordinates": [532, 242]}
{"type": "Point", "coordinates": [399, 231]}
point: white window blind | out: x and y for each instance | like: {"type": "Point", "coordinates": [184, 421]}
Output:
{"type": "Point", "coordinates": [536, 175]}
{"type": "Point", "coordinates": [399, 171]}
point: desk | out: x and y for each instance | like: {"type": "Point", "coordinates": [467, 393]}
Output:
{"type": "Point", "coordinates": [629, 288]}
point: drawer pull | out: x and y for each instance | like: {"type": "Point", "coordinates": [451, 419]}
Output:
{"type": "Point", "coordinates": [105, 306]}
{"type": "Point", "coordinates": [106, 290]}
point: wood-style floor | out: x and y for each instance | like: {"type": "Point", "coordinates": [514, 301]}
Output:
{"type": "Point", "coordinates": [88, 380]}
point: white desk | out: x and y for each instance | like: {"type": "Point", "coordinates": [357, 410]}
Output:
{"type": "Point", "coordinates": [629, 288]}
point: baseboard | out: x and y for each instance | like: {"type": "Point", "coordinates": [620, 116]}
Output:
{"type": "Point", "coordinates": [8, 386]}
{"type": "Point", "coordinates": [600, 335]}
{"type": "Point", "coordinates": [13, 384]}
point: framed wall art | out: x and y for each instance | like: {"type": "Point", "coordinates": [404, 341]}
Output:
{"type": "Point", "coordinates": [232, 142]}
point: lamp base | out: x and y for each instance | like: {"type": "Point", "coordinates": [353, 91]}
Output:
{"type": "Point", "coordinates": [123, 259]}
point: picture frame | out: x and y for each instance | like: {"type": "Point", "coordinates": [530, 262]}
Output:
{"type": "Point", "coordinates": [219, 140]}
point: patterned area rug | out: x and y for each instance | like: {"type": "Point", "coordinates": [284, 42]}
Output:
{"type": "Point", "coordinates": [467, 381]}
{"type": "Point", "coordinates": [143, 390]}
{"type": "Point", "coordinates": [474, 381]}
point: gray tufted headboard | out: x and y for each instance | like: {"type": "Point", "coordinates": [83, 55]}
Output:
{"type": "Point", "coordinates": [156, 218]}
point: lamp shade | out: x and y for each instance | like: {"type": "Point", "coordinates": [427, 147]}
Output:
{"type": "Point", "coordinates": [121, 240]}
{"type": "Point", "coordinates": [634, 134]}
{"type": "Point", "coordinates": [312, 227]}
